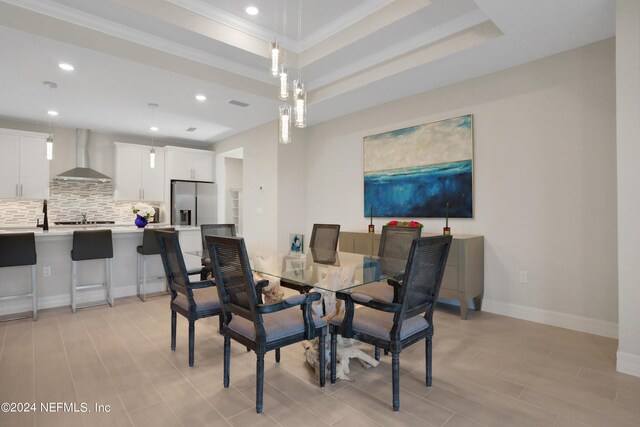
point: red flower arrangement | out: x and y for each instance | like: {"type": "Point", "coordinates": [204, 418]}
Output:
{"type": "Point", "coordinates": [396, 223]}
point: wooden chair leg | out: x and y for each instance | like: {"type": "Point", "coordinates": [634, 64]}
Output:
{"type": "Point", "coordinates": [395, 375]}
{"type": "Point", "coordinates": [334, 350]}
{"type": "Point", "coordinates": [259, 381]}
{"type": "Point", "coordinates": [227, 360]}
{"type": "Point", "coordinates": [428, 351]}
{"type": "Point", "coordinates": [322, 362]}
{"type": "Point", "coordinates": [192, 336]}
{"type": "Point", "coordinates": [174, 320]}
{"type": "Point", "coordinates": [377, 353]}
{"type": "Point", "coordinates": [277, 355]}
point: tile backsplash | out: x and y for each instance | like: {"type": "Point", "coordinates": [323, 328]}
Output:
{"type": "Point", "coordinates": [67, 202]}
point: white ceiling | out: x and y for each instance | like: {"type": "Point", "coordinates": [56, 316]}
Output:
{"type": "Point", "coordinates": [354, 54]}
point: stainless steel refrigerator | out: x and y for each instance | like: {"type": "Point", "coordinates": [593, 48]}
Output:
{"type": "Point", "coordinates": [194, 203]}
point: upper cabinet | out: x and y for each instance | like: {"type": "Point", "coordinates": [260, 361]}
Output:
{"type": "Point", "coordinates": [189, 164]}
{"type": "Point", "coordinates": [135, 178]}
{"type": "Point", "coordinates": [24, 168]}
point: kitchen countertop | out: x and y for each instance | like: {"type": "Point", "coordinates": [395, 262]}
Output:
{"type": "Point", "coordinates": [67, 230]}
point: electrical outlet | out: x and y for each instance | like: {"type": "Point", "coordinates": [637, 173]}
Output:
{"type": "Point", "coordinates": [524, 277]}
{"type": "Point", "coordinates": [46, 271]}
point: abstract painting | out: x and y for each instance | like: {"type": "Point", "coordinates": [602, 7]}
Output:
{"type": "Point", "coordinates": [417, 171]}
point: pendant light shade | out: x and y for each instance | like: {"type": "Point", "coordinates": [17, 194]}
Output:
{"type": "Point", "coordinates": [300, 104]}
{"type": "Point", "coordinates": [284, 124]}
{"type": "Point", "coordinates": [284, 83]}
{"type": "Point", "coordinates": [152, 153]}
{"type": "Point", "coordinates": [50, 146]}
{"type": "Point", "coordinates": [275, 59]}
{"type": "Point", "coordinates": [152, 158]}
{"type": "Point", "coordinates": [51, 86]}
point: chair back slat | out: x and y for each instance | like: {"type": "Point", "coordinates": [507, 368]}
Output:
{"type": "Point", "coordinates": [325, 236]}
{"type": "Point", "coordinates": [227, 230]}
{"type": "Point", "coordinates": [422, 278]}
{"type": "Point", "coordinates": [173, 263]}
{"type": "Point", "coordinates": [234, 279]}
{"type": "Point", "coordinates": [395, 242]}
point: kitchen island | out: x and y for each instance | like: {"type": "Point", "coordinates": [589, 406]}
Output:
{"type": "Point", "coordinates": [54, 265]}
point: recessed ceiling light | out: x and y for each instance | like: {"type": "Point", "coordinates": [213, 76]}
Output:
{"type": "Point", "coordinates": [52, 113]}
{"type": "Point", "coordinates": [154, 128]}
{"type": "Point", "coordinates": [66, 67]}
{"type": "Point", "coordinates": [252, 10]}
{"type": "Point", "coordinates": [201, 97]}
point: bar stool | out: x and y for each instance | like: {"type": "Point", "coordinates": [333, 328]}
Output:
{"type": "Point", "coordinates": [88, 245]}
{"type": "Point", "coordinates": [149, 247]}
{"type": "Point", "coordinates": [17, 250]}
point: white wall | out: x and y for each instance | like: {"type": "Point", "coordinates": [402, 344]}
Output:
{"type": "Point", "coordinates": [292, 183]}
{"type": "Point", "coordinates": [260, 182]}
{"type": "Point", "coordinates": [628, 114]}
{"type": "Point", "coordinates": [544, 181]}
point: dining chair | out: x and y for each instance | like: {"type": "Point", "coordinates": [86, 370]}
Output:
{"type": "Point", "coordinates": [228, 230]}
{"type": "Point", "coordinates": [323, 237]}
{"type": "Point", "coordinates": [395, 244]}
{"type": "Point", "coordinates": [397, 325]}
{"type": "Point", "coordinates": [260, 327]}
{"type": "Point", "coordinates": [193, 300]}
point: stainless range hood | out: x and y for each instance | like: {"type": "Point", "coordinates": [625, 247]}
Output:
{"type": "Point", "coordinates": [82, 171]}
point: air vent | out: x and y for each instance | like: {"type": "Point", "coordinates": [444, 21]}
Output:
{"type": "Point", "coordinates": [238, 103]}
{"type": "Point", "coordinates": [191, 129]}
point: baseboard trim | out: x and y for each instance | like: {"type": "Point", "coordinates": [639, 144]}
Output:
{"type": "Point", "coordinates": [24, 305]}
{"type": "Point", "coordinates": [628, 363]}
{"type": "Point", "coordinates": [553, 318]}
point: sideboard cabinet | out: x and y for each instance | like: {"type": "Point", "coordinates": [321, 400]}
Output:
{"type": "Point", "coordinates": [463, 276]}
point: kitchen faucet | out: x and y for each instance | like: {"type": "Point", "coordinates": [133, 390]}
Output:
{"type": "Point", "coordinates": [45, 224]}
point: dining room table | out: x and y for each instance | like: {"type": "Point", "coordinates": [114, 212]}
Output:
{"type": "Point", "coordinates": [327, 272]}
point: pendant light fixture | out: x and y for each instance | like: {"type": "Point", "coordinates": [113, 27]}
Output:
{"type": "Point", "coordinates": [152, 153]}
{"type": "Point", "coordinates": [51, 86]}
{"type": "Point", "coordinates": [299, 94]}
{"type": "Point", "coordinates": [275, 46]}
{"type": "Point", "coordinates": [284, 81]}
{"type": "Point", "coordinates": [284, 128]}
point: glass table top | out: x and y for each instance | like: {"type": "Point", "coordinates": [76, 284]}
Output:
{"type": "Point", "coordinates": [328, 270]}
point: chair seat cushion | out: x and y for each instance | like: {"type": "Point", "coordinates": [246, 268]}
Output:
{"type": "Point", "coordinates": [277, 325]}
{"type": "Point", "coordinates": [206, 300]}
{"type": "Point", "coordinates": [378, 323]}
{"type": "Point", "coordinates": [380, 291]}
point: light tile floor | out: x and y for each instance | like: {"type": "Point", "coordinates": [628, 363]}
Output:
{"type": "Point", "coordinates": [489, 370]}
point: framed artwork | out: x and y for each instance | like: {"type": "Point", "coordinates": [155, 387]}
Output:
{"type": "Point", "coordinates": [296, 243]}
{"type": "Point", "coordinates": [416, 171]}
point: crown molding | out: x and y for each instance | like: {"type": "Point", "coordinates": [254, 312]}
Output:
{"type": "Point", "coordinates": [92, 22]}
{"type": "Point", "coordinates": [440, 32]}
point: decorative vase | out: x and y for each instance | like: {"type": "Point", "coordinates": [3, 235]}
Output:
{"type": "Point", "coordinates": [140, 221]}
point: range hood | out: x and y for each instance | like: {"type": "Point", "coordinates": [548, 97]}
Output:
{"type": "Point", "coordinates": [82, 171]}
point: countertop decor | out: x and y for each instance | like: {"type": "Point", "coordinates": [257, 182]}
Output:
{"type": "Point", "coordinates": [396, 223]}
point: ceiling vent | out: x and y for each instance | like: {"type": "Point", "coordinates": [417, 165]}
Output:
{"type": "Point", "coordinates": [238, 103]}
{"type": "Point", "coordinates": [191, 129]}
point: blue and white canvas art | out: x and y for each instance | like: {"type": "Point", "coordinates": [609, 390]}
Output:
{"type": "Point", "coordinates": [416, 171]}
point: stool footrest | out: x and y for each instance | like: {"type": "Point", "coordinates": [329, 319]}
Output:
{"type": "Point", "coordinates": [91, 286]}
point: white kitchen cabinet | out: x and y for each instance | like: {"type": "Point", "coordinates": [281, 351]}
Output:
{"type": "Point", "coordinates": [24, 168]}
{"type": "Point", "coordinates": [189, 164]}
{"type": "Point", "coordinates": [135, 179]}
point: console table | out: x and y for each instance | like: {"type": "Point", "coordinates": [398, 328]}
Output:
{"type": "Point", "coordinates": [463, 276]}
